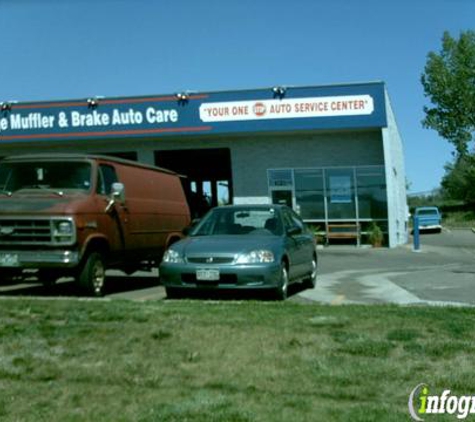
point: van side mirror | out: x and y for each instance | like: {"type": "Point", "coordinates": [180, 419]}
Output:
{"type": "Point", "coordinates": [118, 191]}
{"type": "Point", "coordinates": [117, 195]}
{"type": "Point", "coordinates": [294, 231]}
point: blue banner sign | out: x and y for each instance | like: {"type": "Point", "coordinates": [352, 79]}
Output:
{"type": "Point", "coordinates": [262, 110]}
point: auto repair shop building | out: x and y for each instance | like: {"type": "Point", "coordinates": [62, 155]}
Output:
{"type": "Point", "coordinates": [333, 153]}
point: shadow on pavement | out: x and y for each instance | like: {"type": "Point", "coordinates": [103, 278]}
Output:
{"type": "Point", "coordinates": [67, 287]}
{"type": "Point", "coordinates": [216, 294]}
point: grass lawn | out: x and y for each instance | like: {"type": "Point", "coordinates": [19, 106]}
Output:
{"type": "Point", "coordinates": [69, 360]}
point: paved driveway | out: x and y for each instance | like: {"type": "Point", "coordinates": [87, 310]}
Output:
{"type": "Point", "coordinates": [442, 273]}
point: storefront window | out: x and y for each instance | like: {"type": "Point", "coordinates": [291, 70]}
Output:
{"type": "Point", "coordinates": [340, 193]}
{"type": "Point", "coordinates": [347, 193]}
{"type": "Point", "coordinates": [372, 202]}
{"type": "Point", "coordinates": [309, 193]}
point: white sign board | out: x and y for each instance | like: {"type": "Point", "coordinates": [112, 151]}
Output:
{"type": "Point", "coordinates": [294, 108]}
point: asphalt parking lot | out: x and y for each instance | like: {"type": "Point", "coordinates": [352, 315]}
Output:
{"type": "Point", "coordinates": [442, 273]}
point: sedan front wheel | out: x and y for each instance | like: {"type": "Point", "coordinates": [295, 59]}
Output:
{"type": "Point", "coordinates": [281, 291]}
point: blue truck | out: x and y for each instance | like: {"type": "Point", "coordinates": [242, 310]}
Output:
{"type": "Point", "coordinates": [429, 218]}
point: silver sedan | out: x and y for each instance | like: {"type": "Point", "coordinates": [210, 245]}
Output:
{"type": "Point", "coordinates": [242, 247]}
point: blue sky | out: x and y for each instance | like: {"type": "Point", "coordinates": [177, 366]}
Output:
{"type": "Point", "coordinates": [66, 49]}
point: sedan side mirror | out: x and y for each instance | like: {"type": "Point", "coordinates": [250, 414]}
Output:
{"type": "Point", "coordinates": [293, 231]}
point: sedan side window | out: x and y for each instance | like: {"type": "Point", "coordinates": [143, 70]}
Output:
{"type": "Point", "coordinates": [288, 222]}
{"type": "Point", "coordinates": [297, 221]}
{"type": "Point", "coordinates": [292, 222]}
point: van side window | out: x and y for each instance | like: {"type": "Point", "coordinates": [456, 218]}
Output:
{"type": "Point", "coordinates": [106, 177]}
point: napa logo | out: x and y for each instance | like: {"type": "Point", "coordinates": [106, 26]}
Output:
{"type": "Point", "coordinates": [422, 403]}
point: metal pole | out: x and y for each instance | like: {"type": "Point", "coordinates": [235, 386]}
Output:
{"type": "Point", "coordinates": [417, 241]}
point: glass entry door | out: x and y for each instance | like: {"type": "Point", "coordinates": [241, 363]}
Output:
{"type": "Point", "coordinates": [283, 197]}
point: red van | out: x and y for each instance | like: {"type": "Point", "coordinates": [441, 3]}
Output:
{"type": "Point", "coordinates": [78, 215]}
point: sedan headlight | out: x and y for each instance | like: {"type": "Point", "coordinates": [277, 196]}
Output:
{"type": "Point", "coordinates": [172, 257]}
{"type": "Point", "coordinates": [256, 257]}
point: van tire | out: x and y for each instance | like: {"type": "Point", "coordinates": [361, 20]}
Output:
{"type": "Point", "coordinates": [92, 275]}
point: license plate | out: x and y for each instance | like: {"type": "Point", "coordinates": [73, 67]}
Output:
{"type": "Point", "coordinates": [207, 275]}
{"type": "Point", "coordinates": [9, 260]}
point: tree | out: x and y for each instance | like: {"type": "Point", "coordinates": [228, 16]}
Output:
{"type": "Point", "coordinates": [449, 83]}
{"type": "Point", "coordinates": [459, 180]}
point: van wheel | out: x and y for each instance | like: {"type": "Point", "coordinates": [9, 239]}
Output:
{"type": "Point", "coordinates": [93, 274]}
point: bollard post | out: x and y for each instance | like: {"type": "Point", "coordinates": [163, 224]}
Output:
{"type": "Point", "coordinates": [417, 241]}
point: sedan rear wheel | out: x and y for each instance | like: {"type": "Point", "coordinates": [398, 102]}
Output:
{"type": "Point", "coordinates": [311, 281]}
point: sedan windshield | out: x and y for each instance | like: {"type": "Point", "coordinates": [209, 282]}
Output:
{"type": "Point", "coordinates": [240, 221]}
{"type": "Point", "coordinates": [48, 175]}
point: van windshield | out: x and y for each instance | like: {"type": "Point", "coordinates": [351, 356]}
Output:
{"type": "Point", "coordinates": [47, 175]}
